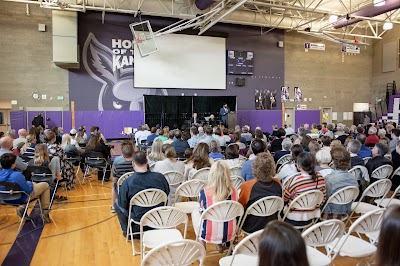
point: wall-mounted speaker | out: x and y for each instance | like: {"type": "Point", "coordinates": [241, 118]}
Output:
{"type": "Point", "coordinates": [240, 82]}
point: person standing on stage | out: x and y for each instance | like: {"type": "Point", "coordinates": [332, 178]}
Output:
{"type": "Point", "coordinates": [223, 112]}
{"type": "Point", "coordinates": [194, 120]}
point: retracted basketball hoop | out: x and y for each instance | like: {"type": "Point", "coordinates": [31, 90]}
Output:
{"type": "Point", "coordinates": [144, 37]}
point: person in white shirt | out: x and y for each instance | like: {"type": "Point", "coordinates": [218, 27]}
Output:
{"type": "Point", "coordinates": [72, 133]}
{"type": "Point", "coordinates": [289, 130]}
{"type": "Point", "coordinates": [323, 157]}
{"type": "Point", "coordinates": [217, 136]}
{"type": "Point", "coordinates": [145, 134]}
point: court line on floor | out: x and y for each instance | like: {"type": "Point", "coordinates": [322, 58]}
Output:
{"type": "Point", "coordinates": [78, 229]}
{"type": "Point", "coordinates": [79, 208]}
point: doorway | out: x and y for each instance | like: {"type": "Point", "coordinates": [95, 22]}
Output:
{"type": "Point", "coordinates": [326, 115]}
{"type": "Point", "coordinates": [4, 120]}
{"type": "Point", "coordinates": [289, 118]}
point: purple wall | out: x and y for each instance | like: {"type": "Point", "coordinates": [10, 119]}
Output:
{"type": "Point", "coordinates": [18, 120]}
{"type": "Point", "coordinates": [307, 116]}
{"type": "Point", "coordinates": [95, 86]}
{"type": "Point", "coordinates": [262, 118]}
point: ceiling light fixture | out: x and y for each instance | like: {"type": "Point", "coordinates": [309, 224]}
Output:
{"type": "Point", "coordinates": [333, 18]}
{"type": "Point", "coordinates": [379, 2]}
{"type": "Point", "coordinates": [388, 26]}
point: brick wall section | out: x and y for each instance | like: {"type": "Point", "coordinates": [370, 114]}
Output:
{"type": "Point", "coordinates": [26, 58]}
{"type": "Point", "coordinates": [322, 73]}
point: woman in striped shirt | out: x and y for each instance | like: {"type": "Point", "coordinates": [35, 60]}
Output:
{"type": "Point", "coordinates": [306, 181]}
{"type": "Point", "coordinates": [219, 188]}
{"type": "Point", "coordinates": [28, 150]}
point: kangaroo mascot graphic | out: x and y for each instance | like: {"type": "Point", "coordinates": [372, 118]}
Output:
{"type": "Point", "coordinates": [117, 91]}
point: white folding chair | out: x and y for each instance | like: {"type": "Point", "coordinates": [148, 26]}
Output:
{"type": "Point", "coordinates": [344, 196]}
{"type": "Point", "coordinates": [386, 202]}
{"type": "Point", "coordinates": [281, 166]}
{"type": "Point", "coordinates": [201, 174]}
{"type": "Point", "coordinates": [224, 211]}
{"type": "Point", "coordinates": [245, 253]}
{"type": "Point", "coordinates": [188, 189]}
{"type": "Point", "coordinates": [309, 201]}
{"type": "Point", "coordinates": [356, 247]}
{"type": "Point", "coordinates": [382, 172]}
{"type": "Point", "coordinates": [164, 220]}
{"type": "Point", "coordinates": [237, 182]}
{"type": "Point", "coordinates": [263, 207]}
{"type": "Point", "coordinates": [174, 179]}
{"type": "Point", "coordinates": [377, 190]}
{"type": "Point", "coordinates": [182, 252]}
{"type": "Point", "coordinates": [146, 199]}
{"type": "Point", "coordinates": [122, 179]}
{"type": "Point", "coordinates": [321, 235]}
{"type": "Point", "coordinates": [236, 171]}
{"type": "Point", "coordinates": [287, 179]}
{"type": "Point", "coordinates": [361, 174]}
{"type": "Point", "coordinates": [151, 166]}
{"type": "Point", "coordinates": [284, 159]}
{"type": "Point", "coordinates": [366, 159]}
{"type": "Point", "coordinates": [396, 172]}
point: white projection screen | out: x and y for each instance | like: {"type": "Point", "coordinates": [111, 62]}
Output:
{"type": "Point", "coordinates": [183, 62]}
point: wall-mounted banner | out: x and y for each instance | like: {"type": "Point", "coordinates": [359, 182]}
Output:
{"type": "Point", "coordinates": [301, 107]}
{"type": "Point", "coordinates": [351, 49]}
{"type": "Point", "coordinates": [314, 46]}
{"type": "Point", "coordinates": [265, 99]}
{"type": "Point", "coordinates": [298, 95]}
{"type": "Point", "coordinates": [285, 94]}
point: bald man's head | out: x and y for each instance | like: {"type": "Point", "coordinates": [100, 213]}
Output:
{"type": "Point", "coordinates": [22, 133]}
{"type": "Point", "coordinates": [6, 143]}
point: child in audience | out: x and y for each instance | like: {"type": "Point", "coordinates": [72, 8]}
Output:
{"type": "Point", "coordinates": [219, 188]}
{"type": "Point", "coordinates": [281, 245]}
{"type": "Point", "coordinates": [388, 244]}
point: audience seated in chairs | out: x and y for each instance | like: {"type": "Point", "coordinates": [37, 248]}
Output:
{"type": "Point", "coordinates": [6, 144]}
{"type": "Point", "coordinates": [286, 146]}
{"type": "Point", "coordinates": [353, 148]}
{"type": "Point", "coordinates": [215, 150]}
{"type": "Point", "coordinates": [199, 160]}
{"type": "Point", "coordinates": [152, 136]}
{"type": "Point", "coordinates": [232, 156]}
{"type": "Point", "coordinates": [219, 138]}
{"type": "Point", "coordinates": [372, 138]}
{"type": "Point", "coordinates": [261, 186]}
{"type": "Point", "coordinates": [80, 137]}
{"type": "Point", "coordinates": [219, 188]}
{"type": "Point", "coordinates": [122, 164]}
{"type": "Point", "coordinates": [142, 179]}
{"type": "Point", "coordinates": [337, 180]}
{"type": "Point", "coordinates": [179, 144]}
{"type": "Point", "coordinates": [378, 159]}
{"type": "Point", "coordinates": [257, 146]}
{"type": "Point", "coordinates": [35, 190]}
{"type": "Point", "coordinates": [276, 144]}
{"type": "Point", "coordinates": [208, 138]}
{"type": "Point", "coordinates": [22, 133]}
{"type": "Point", "coordinates": [290, 168]}
{"type": "Point", "coordinates": [170, 163]}
{"type": "Point", "coordinates": [323, 158]}
{"type": "Point", "coordinates": [388, 244]}
{"type": "Point", "coordinates": [95, 145]}
{"type": "Point", "coordinates": [306, 181]}
{"type": "Point", "coordinates": [195, 138]}
{"type": "Point", "coordinates": [28, 150]}
{"type": "Point", "coordinates": [326, 143]}
{"type": "Point", "coordinates": [68, 147]}
{"type": "Point", "coordinates": [281, 245]}
{"type": "Point", "coordinates": [396, 164]}
{"type": "Point", "coordinates": [156, 153]}
{"type": "Point", "coordinates": [364, 150]}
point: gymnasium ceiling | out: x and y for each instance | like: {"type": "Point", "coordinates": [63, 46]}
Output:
{"type": "Point", "coordinates": [311, 17]}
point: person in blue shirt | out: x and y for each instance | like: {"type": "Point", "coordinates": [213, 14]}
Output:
{"type": "Point", "coordinates": [34, 190]}
{"type": "Point", "coordinates": [152, 136]}
{"type": "Point", "coordinates": [215, 151]}
{"type": "Point", "coordinates": [179, 144]}
{"type": "Point", "coordinates": [257, 146]}
{"type": "Point", "coordinates": [364, 150]}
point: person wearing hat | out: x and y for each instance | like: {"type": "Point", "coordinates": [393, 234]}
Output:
{"type": "Point", "coordinates": [72, 133]}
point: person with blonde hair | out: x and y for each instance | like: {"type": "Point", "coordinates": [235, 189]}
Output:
{"type": "Point", "coordinates": [28, 150]}
{"type": "Point", "coordinates": [67, 146]}
{"type": "Point", "coordinates": [42, 158]}
{"type": "Point", "coordinates": [219, 188]}
{"type": "Point", "coordinates": [156, 153]}
{"type": "Point", "coordinates": [198, 160]}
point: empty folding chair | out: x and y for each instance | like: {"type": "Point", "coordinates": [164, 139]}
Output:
{"type": "Point", "coordinates": [96, 160]}
{"type": "Point", "coordinates": [201, 174]}
{"type": "Point", "coordinates": [188, 190]}
{"type": "Point", "coordinates": [321, 235]}
{"type": "Point", "coordinates": [146, 199]}
{"type": "Point", "coordinates": [245, 253]}
{"type": "Point", "coordinates": [344, 196]}
{"type": "Point", "coordinates": [376, 190]}
{"type": "Point", "coordinates": [181, 252]}
{"type": "Point", "coordinates": [263, 207]}
{"type": "Point", "coordinates": [389, 201]}
{"type": "Point", "coordinates": [353, 245]}
{"type": "Point", "coordinates": [307, 202]}
{"type": "Point", "coordinates": [164, 220]}
{"type": "Point", "coordinates": [174, 179]}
